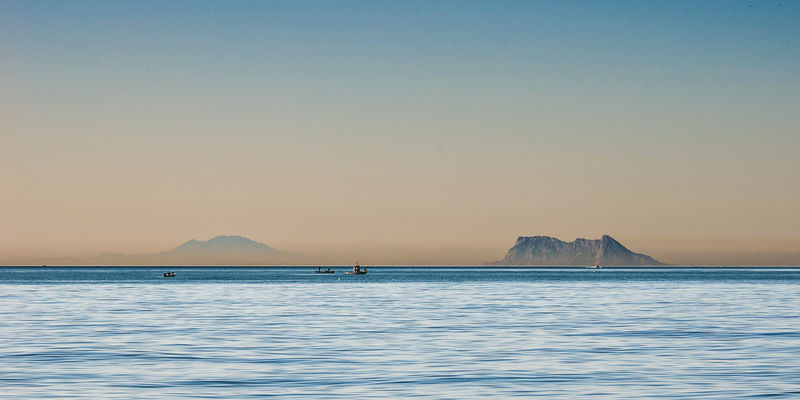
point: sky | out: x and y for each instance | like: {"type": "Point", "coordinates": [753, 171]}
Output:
{"type": "Point", "coordinates": [401, 131]}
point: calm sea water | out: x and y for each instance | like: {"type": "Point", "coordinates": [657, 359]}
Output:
{"type": "Point", "coordinates": [440, 333]}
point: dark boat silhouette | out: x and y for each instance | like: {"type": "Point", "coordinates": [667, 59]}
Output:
{"type": "Point", "coordinates": [169, 274]}
{"type": "Point", "coordinates": [324, 271]}
{"type": "Point", "coordinates": [357, 270]}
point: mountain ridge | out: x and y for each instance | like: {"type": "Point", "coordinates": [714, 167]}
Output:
{"type": "Point", "coordinates": [219, 250]}
{"type": "Point", "coordinates": [223, 242]}
{"type": "Point", "coordinates": [547, 250]}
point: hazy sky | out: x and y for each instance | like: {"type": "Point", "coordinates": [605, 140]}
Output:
{"type": "Point", "coordinates": [444, 129]}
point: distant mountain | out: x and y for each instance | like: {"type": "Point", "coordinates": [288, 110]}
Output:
{"type": "Point", "coordinates": [546, 250]}
{"type": "Point", "coordinates": [224, 250]}
{"type": "Point", "coordinates": [219, 250]}
{"type": "Point", "coordinates": [222, 244]}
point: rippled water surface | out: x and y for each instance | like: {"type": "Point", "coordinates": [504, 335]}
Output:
{"type": "Point", "coordinates": [455, 333]}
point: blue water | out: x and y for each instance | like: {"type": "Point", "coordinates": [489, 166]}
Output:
{"type": "Point", "coordinates": [439, 333]}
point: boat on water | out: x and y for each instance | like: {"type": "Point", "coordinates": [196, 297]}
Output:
{"type": "Point", "coordinates": [357, 270]}
{"type": "Point", "coordinates": [596, 266]}
{"type": "Point", "coordinates": [324, 271]}
{"type": "Point", "coordinates": [168, 274]}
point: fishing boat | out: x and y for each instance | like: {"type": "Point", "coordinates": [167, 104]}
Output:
{"type": "Point", "coordinates": [168, 274]}
{"type": "Point", "coordinates": [357, 270]}
{"type": "Point", "coordinates": [324, 271]}
{"type": "Point", "coordinates": [596, 266]}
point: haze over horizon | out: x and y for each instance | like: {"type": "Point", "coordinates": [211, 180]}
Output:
{"type": "Point", "coordinates": [401, 132]}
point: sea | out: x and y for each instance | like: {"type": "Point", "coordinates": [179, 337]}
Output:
{"type": "Point", "coordinates": [400, 332]}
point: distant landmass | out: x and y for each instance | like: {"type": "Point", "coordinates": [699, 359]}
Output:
{"type": "Point", "coordinates": [219, 250]}
{"type": "Point", "coordinates": [546, 250]}
{"type": "Point", "coordinates": [222, 249]}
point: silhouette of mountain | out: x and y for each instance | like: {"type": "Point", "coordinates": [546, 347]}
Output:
{"type": "Point", "coordinates": [546, 250]}
{"type": "Point", "coordinates": [219, 250]}
{"type": "Point", "coordinates": [234, 243]}
{"type": "Point", "coordinates": [224, 250]}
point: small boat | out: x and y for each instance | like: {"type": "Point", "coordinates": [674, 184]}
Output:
{"type": "Point", "coordinates": [357, 270]}
{"type": "Point", "coordinates": [324, 271]}
{"type": "Point", "coordinates": [169, 274]}
{"type": "Point", "coordinates": [596, 266]}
